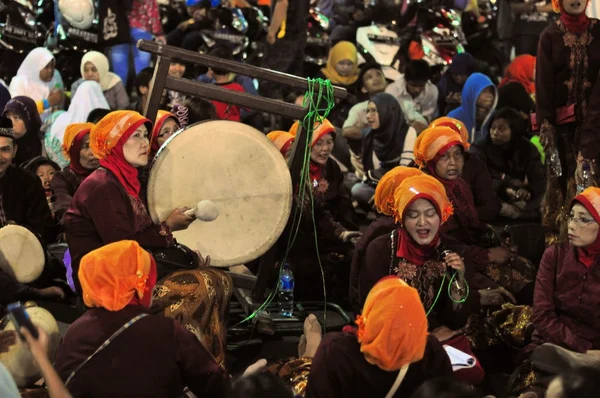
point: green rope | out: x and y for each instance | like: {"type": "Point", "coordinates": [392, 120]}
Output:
{"type": "Point", "coordinates": [315, 113]}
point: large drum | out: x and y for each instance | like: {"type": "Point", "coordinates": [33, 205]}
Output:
{"type": "Point", "coordinates": [240, 170]}
{"type": "Point", "coordinates": [18, 360]}
{"type": "Point", "coordinates": [21, 253]}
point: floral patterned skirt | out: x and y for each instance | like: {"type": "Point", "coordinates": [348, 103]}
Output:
{"type": "Point", "coordinates": [199, 300]}
{"type": "Point", "coordinates": [513, 276]}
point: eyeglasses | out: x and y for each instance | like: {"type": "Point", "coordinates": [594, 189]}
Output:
{"type": "Point", "coordinates": [166, 133]}
{"type": "Point", "coordinates": [580, 222]}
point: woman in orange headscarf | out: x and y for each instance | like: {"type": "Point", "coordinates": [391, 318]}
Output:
{"type": "Point", "coordinates": [475, 173]}
{"type": "Point", "coordinates": [333, 216]}
{"type": "Point", "coordinates": [76, 148]}
{"type": "Point", "coordinates": [117, 282]}
{"type": "Point", "coordinates": [108, 208]}
{"type": "Point", "coordinates": [391, 354]}
{"type": "Point", "coordinates": [384, 224]}
{"type": "Point", "coordinates": [521, 70]}
{"type": "Point", "coordinates": [420, 208]}
{"type": "Point", "coordinates": [440, 152]}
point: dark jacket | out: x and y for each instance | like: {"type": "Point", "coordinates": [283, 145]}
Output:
{"type": "Point", "coordinates": [24, 202]}
{"type": "Point", "coordinates": [339, 369]}
{"type": "Point", "coordinates": [155, 357]}
{"type": "Point", "coordinates": [520, 161]}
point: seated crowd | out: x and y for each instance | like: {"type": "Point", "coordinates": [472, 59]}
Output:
{"type": "Point", "coordinates": [418, 233]}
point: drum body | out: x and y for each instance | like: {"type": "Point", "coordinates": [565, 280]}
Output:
{"type": "Point", "coordinates": [21, 253]}
{"type": "Point", "coordinates": [240, 170]}
{"type": "Point", "coordinates": [18, 360]}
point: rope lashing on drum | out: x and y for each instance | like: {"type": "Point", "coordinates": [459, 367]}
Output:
{"type": "Point", "coordinates": [319, 101]}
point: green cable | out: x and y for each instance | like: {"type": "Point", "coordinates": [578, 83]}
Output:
{"type": "Point", "coordinates": [438, 295]}
{"type": "Point", "coordinates": [319, 115]}
{"type": "Point", "coordinates": [450, 294]}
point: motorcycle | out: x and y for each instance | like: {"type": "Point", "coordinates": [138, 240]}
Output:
{"type": "Point", "coordinates": [317, 42]}
{"type": "Point", "coordinates": [437, 29]}
{"type": "Point", "coordinates": [20, 33]}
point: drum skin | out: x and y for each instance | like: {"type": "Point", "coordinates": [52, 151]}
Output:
{"type": "Point", "coordinates": [240, 170]}
{"type": "Point", "coordinates": [18, 360]}
{"type": "Point", "coordinates": [21, 253]}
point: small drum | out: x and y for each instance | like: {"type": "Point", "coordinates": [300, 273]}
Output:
{"type": "Point", "coordinates": [240, 170]}
{"type": "Point", "coordinates": [18, 360]}
{"type": "Point", "coordinates": [21, 253]}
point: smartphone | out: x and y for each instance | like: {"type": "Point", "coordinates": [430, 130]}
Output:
{"type": "Point", "coordinates": [20, 318]}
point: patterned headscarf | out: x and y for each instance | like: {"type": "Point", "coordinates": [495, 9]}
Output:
{"type": "Point", "coordinates": [434, 142]}
{"type": "Point", "coordinates": [282, 140]}
{"type": "Point", "coordinates": [426, 187]}
{"type": "Point", "coordinates": [384, 193]}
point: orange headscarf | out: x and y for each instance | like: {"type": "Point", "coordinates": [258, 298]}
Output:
{"type": "Point", "coordinates": [107, 138]}
{"type": "Point", "coordinates": [105, 135]}
{"type": "Point", "coordinates": [392, 330]}
{"type": "Point", "coordinates": [521, 70]}
{"type": "Point", "coordinates": [282, 140]}
{"type": "Point", "coordinates": [321, 129]}
{"type": "Point", "coordinates": [116, 275]}
{"type": "Point", "coordinates": [161, 118]}
{"type": "Point", "coordinates": [384, 193]}
{"type": "Point", "coordinates": [433, 142]}
{"type": "Point", "coordinates": [590, 199]}
{"type": "Point", "coordinates": [71, 132]}
{"type": "Point", "coordinates": [341, 51]}
{"type": "Point", "coordinates": [422, 186]}
{"type": "Point", "coordinates": [455, 125]}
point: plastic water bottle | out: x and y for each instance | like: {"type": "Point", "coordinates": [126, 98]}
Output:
{"type": "Point", "coordinates": [286, 292]}
{"type": "Point", "coordinates": [586, 179]}
{"type": "Point", "coordinates": [554, 166]}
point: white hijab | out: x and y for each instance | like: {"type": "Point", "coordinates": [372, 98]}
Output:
{"type": "Point", "coordinates": [27, 81]}
{"type": "Point", "coordinates": [107, 79]}
{"type": "Point", "coordinates": [88, 97]}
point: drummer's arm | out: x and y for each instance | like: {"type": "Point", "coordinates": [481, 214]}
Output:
{"type": "Point", "coordinates": [110, 213]}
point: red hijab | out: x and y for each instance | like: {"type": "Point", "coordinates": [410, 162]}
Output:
{"type": "Point", "coordinates": [116, 163]}
{"type": "Point", "coordinates": [587, 255]}
{"type": "Point", "coordinates": [521, 70]}
{"type": "Point", "coordinates": [74, 154]}
{"type": "Point", "coordinates": [574, 23]}
{"type": "Point", "coordinates": [410, 250]}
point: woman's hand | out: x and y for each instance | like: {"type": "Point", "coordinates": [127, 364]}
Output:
{"type": "Point", "coordinates": [456, 262]}
{"type": "Point", "coordinates": [52, 292]}
{"type": "Point", "coordinates": [255, 367]}
{"type": "Point", "coordinates": [177, 220]}
{"type": "Point", "coordinates": [350, 236]}
{"type": "Point", "coordinates": [523, 194]}
{"type": "Point", "coordinates": [547, 132]}
{"type": "Point", "coordinates": [496, 297]}
{"type": "Point", "coordinates": [7, 338]}
{"type": "Point", "coordinates": [202, 261]}
{"type": "Point", "coordinates": [509, 210]}
{"type": "Point", "coordinates": [39, 346]}
{"type": "Point", "coordinates": [443, 333]}
{"type": "Point", "coordinates": [55, 97]}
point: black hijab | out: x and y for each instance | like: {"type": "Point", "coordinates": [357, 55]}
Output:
{"type": "Point", "coordinates": [388, 140]}
{"type": "Point", "coordinates": [30, 145]}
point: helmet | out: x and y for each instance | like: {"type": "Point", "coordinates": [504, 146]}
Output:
{"type": "Point", "coordinates": [78, 13]}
